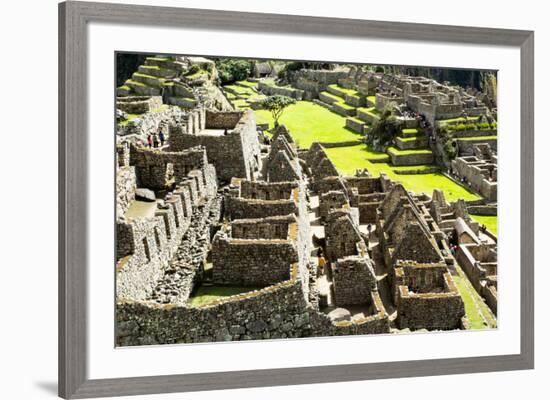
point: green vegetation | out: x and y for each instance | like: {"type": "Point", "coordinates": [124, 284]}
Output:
{"type": "Point", "coordinates": [410, 132]}
{"type": "Point", "coordinates": [309, 122]}
{"type": "Point", "coordinates": [490, 221]}
{"type": "Point", "coordinates": [277, 105]}
{"type": "Point", "coordinates": [208, 294]}
{"type": "Point", "coordinates": [456, 120]}
{"type": "Point", "coordinates": [479, 138]}
{"type": "Point", "coordinates": [477, 312]}
{"type": "Point", "coordinates": [348, 159]}
{"type": "Point", "coordinates": [413, 168]}
{"type": "Point", "coordinates": [232, 70]}
{"type": "Point", "coordinates": [130, 118]}
{"type": "Point", "coordinates": [396, 151]}
{"type": "Point", "coordinates": [135, 83]}
{"type": "Point", "coordinates": [343, 90]}
{"type": "Point", "coordinates": [337, 99]}
{"type": "Point", "coordinates": [239, 90]}
{"type": "Point", "coordinates": [247, 84]}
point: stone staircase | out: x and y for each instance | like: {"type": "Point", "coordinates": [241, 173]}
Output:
{"type": "Point", "coordinates": [411, 148]}
{"type": "Point", "coordinates": [162, 76]}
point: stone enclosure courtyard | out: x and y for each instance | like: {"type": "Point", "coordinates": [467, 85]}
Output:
{"type": "Point", "coordinates": [363, 202]}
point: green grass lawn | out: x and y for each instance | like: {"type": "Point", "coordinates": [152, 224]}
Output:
{"type": "Point", "coordinates": [342, 89]}
{"type": "Point", "coordinates": [208, 294]}
{"type": "Point", "coordinates": [477, 312]}
{"type": "Point", "coordinates": [309, 122]}
{"type": "Point", "coordinates": [348, 159]}
{"type": "Point", "coordinates": [489, 221]}
{"type": "Point", "coordinates": [395, 150]}
{"type": "Point", "coordinates": [247, 84]}
{"type": "Point", "coordinates": [479, 138]}
{"type": "Point", "coordinates": [240, 90]}
{"type": "Point", "coordinates": [466, 120]}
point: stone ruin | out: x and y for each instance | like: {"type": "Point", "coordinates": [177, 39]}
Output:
{"type": "Point", "coordinates": [217, 206]}
{"type": "Point", "coordinates": [428, 97]}
{"type": "Point", "coordinates": [480, 170]}
{"type": "Point", "coordinates": [415, 251]}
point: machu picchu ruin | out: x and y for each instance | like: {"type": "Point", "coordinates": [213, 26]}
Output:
{"type": "Point", "coordinates": [268, 199]}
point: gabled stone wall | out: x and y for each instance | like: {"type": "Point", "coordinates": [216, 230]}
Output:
{"type": "Point", "coordinates": [354, 280]}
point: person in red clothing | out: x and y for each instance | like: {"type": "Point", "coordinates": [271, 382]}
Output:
{"type": "Point", "coordinates": [150, 140]}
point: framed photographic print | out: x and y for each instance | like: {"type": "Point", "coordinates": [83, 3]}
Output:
{"type": "Point", "coordinates": [287, 199]}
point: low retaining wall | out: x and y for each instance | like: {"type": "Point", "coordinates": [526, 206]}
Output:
{"type": "Point", "coordinates": [341, 144]}
{"type": "Point", "coordinates": [278, 311]}
{"type": "Point", "coordinates": [411, 159]}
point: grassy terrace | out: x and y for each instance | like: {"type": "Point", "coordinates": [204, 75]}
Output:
{"type": "Point", "coordinates": [477, 312]}
{"type": "Point", "coordinates": [479, 138]}
{"type": "Point", "coordinates": [349, 159]}
{"type": "Point", "coordinates": [344, 90]}
{"type": "Point", "coordinates": [208, 294]}
{"type": "Point", "coordinates": [309, 122]}
{"type": "Point", "coordinates": [370, 110]}
{"type": "Point", "coordinates": [131, 117]}
{"type": "Point", "coordinates": [443, 122]}
{"type": "Point", "coordinates": [238, 89]}
{"type": "Point", "coordinates": [395, 150]}
{"type": "Point", "coordinates": [489, 221]}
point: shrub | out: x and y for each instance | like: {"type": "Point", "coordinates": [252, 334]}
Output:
{"type": "Point", "coordinates": [483, 126]}
{"type": "Point", "coordinates": [460, 127]}
{"type": "Point", "coordinates": [470, 127]}
{"type": "Point", "coordinates": [230, 70]}
{"type": "Point", "coordinates": [193, 69]}
{"type": "Point", "coordinates": [450, 148]}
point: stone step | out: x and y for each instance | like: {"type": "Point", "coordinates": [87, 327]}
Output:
{"type": "Point", "coordinates": [148, 80]}
{"type": "Point", "coordinates": [355, 124]}
{"type": "Point", "coordinates": [355, 100]}
{"type": "Point", "coordinates": [186, 102]}
{"type": "Point", "coordinates": [123, 91]}
{"type": "Point", "coordinates": [337, 91]}
{"type": "Point", "coordinates": [164, 62]}
{"type": "Point", "coordinates": [412, 143]}
{"type": "Point", "coordinates": [157, 71]}
{"type": "Point", "coordinates": [369, 115]}
{"type": "Point", "coordinates": [410, 157]}
{"type": "Point", "coordinates": [410, 132]}
{"type": "Point", "coordinates": [330, 98]}
{"type": "Point", "coordinates": [344, 109]}
{"type": "Point", "coordinates": [142, 89]}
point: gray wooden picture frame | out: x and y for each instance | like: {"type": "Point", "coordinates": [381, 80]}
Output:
{"type": "Point", "coordinates": [73, 196]}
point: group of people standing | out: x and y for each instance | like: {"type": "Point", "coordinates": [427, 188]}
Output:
{"type": "Point", "coordinates": [154, 140]}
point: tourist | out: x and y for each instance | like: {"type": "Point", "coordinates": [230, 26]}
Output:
{"type": "Point", "coordinates": [225, 132]}
{"type": "Point", "coordinates": [161, 137]}
{"type": "Point", "coordinates": [150, 140]}
{"type": "Point", "coordinates": [320, 262]}
{"type": "Point", "coordinates": [155, 141]}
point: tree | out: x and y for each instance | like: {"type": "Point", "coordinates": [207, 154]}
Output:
{"type": "Point", "coordinates": [384, 129]}
{"type": "Point", "coordinates": [230, 70]}
{"type": "Point", "coordinates": [277, 104]}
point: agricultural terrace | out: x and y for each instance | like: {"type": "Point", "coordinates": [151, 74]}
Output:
{"type": "Point", "coordinates": [309, 122]}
